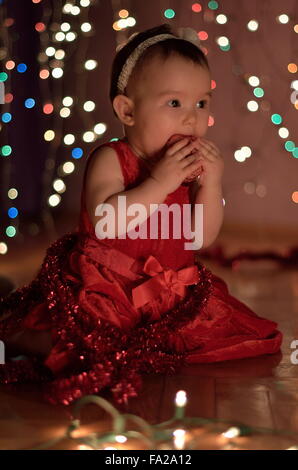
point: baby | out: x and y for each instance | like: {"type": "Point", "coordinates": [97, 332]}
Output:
{"type": "Point", "coordinates": [104, 311]}
{"type": "Point", "coordinates": [163, 96]}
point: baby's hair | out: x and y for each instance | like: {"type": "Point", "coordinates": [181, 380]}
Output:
{"type": "Point", "coordinates": [163, 49]}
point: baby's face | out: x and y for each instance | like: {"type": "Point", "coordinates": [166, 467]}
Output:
{"type": "Point", "coordinates": [172, 97]}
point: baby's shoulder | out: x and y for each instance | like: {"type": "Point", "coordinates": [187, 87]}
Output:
{"type": "Point", "coordinates": [104, 165]}
{"type": "Point", "coordinates": [104, 178]}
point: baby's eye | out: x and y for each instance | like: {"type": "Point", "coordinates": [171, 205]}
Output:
{"type": "Point", "coordinates": [205, 103]}
{"type": "Point", "coordinates": [173, 101]}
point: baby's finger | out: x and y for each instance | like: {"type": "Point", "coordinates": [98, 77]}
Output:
{"type": "Point", "coordinates": [210, 144]}
{"type": "Point", "coordinates": [188, 159]}
{"type": "Point", "coordinates": [192, 165]}
{"type": "Point", "coordinates": [208, 153]}
{"type": "Point", "coordinates": [177, 146]}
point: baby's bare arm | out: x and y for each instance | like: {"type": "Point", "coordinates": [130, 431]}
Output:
{"type": "Point", "coordinates": [104, 185]}
{"type": "Point", "coordinates": [148, 194]}
{"type": "Point", "coordinates": [213, 212]}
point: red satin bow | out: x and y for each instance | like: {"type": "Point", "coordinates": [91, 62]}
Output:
{"type": "Point", "coordinates": [162, 279]}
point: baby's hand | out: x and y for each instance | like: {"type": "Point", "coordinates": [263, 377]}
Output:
{"type": "Point", "coordinates": [176, 164]}
{"type": "Point", "coordinates": [211, 161]}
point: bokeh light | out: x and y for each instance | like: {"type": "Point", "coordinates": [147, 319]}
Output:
{"type": "Point", "coordinates": [22, 68]}
{"type": "Point", "coordinates": [12, 193]}
{"type": "Point", "coordinates": [10, 64]}
{"type": "Point", "coordinates": [29, 103]}
{"type": "Point", "coordinates": [89, 106]}
{"type": "Point", "coordinates": [213, 5]}
{"type": "Point", "coordinates": [6, 117]}
{"type": "Point", "coordinates": [252, 106]}
{"type": "Point", "coordinates": [6, 150]}
{"type": "Point", "coordinates": [196, 8]}
{"type": "Point", "coordinates": [54, 200]}
{"type": "Point", "coordinates": [3, 248]}
{"type": "Point", "coordinates": [169, 13]}
{"type": "Point", "coordinates": [90, 64]}
{"type": "Point", "coordinates": [69, 139]}
{"type": "Point", "coordinates": [59, 186]}
{"type": "Point", "coordinates": [49, 135]}
{"type": "Point", "coordinates": [67, 101]}
{"type": "Point", "coordinates": [44, 73]}
{"type": "Point", "coordinates": [276, 118]}
{"type": "Point", "coordinates": [11, 231]}
{"type": "Point", "coordinates": [68, 167]}
{"type": "Point", "coordinates": [13, 212]}
{"type": "Point", "coordinates": [48, 108]}
{"type": "Point", "coordinates": [252, 25]}
{"type": "Point", "coordinates": [77, 153]}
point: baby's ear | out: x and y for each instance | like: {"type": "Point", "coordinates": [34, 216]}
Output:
{"type": "Point", "coordinates": [124, 107]}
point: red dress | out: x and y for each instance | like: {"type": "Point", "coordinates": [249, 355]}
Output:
{"type": "Point", "coordinates": [118, 308]}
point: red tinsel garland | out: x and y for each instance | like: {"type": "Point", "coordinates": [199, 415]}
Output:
{"type": "Point", "coordinates": [100, 355]}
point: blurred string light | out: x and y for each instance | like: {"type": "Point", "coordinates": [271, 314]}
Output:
{"type": "Point", "coordinates": [283, 19]}
{"type": "Point", "coordinates": [10, 65]}
{"type": "Point", "coordinates": [12, 193]}
{"type": "Point", "coordinates": [252, 25]}
{"type": "Point", "coordinates": [29, 103]}
{"type": "Point", "coordinates": [89, 106]}
{"type": "Point", "coordinates": [13, 212]}
{"type": "Point", "coordinates": [48, 108]}
{"type": "Point", "coordinates": [124, 22]}
{"type": "Point", "coordinates": [6, 119]}
{"type": "Point", "coordinates": [178, 433]}
{"type": "Point", "coordinates": [21, 68]}
{"type": "Point", "coordinates": [77, 153]}
{"type": "Point", "coordinates": [245, 152]}
{"type": "Point", "coordinates": [196, 7]}
{"type": "Point", "coordinates": [169, 13]}
{"type": "Point", "coordinates": [86, 27]}
{"type": "Point", "coordinates": [67, 101]}
{"type": "Point", "coordinates": [63, 33]}
{"type": "Point", "coordinates": [3, 248]}
{"type": "Point", "coordinates": [276, 118]}
{"type": "Point", "coordinates": [6, 150]}
{"type": "Point", "coordinates": [11, 231]}
{"type": "Point", "coordinates": [242, 154]}
{"type": "Point", "coordinates": [59, 186]}
{"type": "Point", "coordinates": [69, 139]}
{"type": "Point", "coordinates": [213, 5]}
{"type": "Point", "coordinates": [221, 19]}
{"type": "Point", "coordinates": [223, 43]}
{"type": "Point", "coordinates": [90, 64]}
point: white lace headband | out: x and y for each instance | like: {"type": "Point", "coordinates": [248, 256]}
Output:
{"type": "Point", "coordinates": [188, 34]}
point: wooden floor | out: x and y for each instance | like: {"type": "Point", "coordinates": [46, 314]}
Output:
{"type": "Point", "coordinates": [259, 392]}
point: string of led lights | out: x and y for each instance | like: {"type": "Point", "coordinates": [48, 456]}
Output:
{"type": "Point", "coordinates": [52, 58]}
{"type": "Point", "coordinates": [6, 117]}
{"type": "Point", "coordinates": [178, 433]}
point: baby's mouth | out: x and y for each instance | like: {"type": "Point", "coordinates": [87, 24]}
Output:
{"type": "Point", "coordinates": [176, 137]}
{"type": "Point", "coordinates": [171, 141]}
